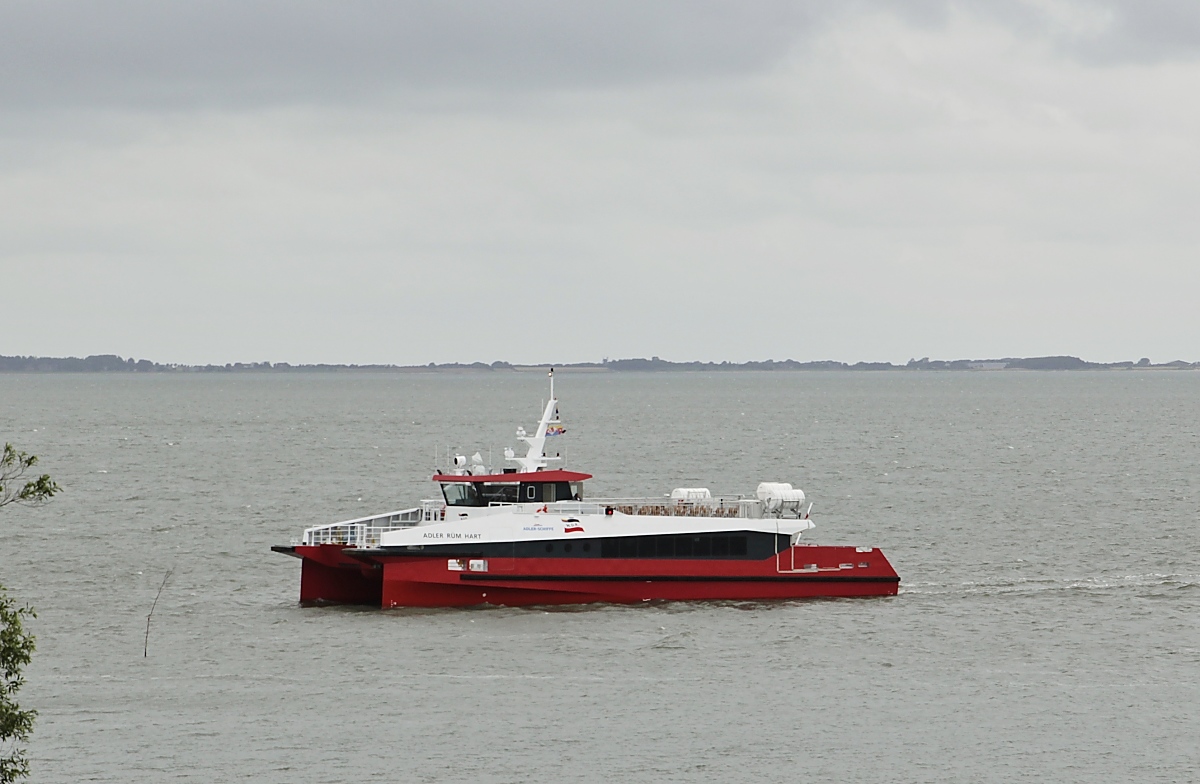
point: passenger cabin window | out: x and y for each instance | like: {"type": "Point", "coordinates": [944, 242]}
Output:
{"type": "Point", "coordinates": [667, 546]}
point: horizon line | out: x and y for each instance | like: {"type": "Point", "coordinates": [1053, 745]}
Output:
{"type": "Point", "coordinates": [102, 363]}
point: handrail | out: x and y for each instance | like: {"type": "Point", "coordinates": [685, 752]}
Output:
{"type": "Point", "coordinates": [658, 507]}
{"type": "Point", "coordinates": [366, 531]}
{"type": "Point", "coordinates": [720, 506]}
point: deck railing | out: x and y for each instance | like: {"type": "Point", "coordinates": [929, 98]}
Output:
{"type": "Point", "coordinates": [733, 506]}
{"type": "Point", "coordinates": [721, 506]}
{"type": "Point", "coordinates": [365, 531]}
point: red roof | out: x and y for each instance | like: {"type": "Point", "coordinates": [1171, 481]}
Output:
{"type": "Point", "coordinates": [536, 476]}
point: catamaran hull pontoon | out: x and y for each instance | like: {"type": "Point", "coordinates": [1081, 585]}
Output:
{"type": "Point", "coordinates": [332, 574]}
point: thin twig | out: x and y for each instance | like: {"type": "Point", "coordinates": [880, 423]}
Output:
{"type": "Point", "coordinates": [146, 648]}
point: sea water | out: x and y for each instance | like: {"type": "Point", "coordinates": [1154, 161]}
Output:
{"type": "Point", "coordinates": [1044, 525]}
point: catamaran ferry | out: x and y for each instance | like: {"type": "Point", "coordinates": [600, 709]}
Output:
{"type": "Point", "coordinates": [527, 535]}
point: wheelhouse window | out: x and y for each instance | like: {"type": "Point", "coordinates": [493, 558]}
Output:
{"type": "Point", "coordinates": [547, 492]}
{"type": "Point", "coordinates": [461, 494]}
{"type": "Point", "coordinates": [499, 494]}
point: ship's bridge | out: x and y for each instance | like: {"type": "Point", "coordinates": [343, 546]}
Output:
{"type": "Point", "coordinates": [511, 487]}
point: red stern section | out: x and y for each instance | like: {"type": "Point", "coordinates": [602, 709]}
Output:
{"type": "Point", "coordinates": [329, 576]}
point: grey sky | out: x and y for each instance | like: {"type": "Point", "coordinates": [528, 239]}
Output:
{"type": "Point", "coordinates": [415, 182]}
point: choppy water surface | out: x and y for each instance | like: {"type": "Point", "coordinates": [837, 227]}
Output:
{"type": "Point", "coordinates": [1044, 525]}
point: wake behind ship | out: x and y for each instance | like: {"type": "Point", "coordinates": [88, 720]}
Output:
{"type": "Point", "coordinates": [527, 536]}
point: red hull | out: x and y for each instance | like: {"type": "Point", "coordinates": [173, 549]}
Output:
{"type": "Point", "coordinates": [330, 574]}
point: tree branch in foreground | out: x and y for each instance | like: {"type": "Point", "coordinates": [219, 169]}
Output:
{"type": "Point", "coordinates": [13, 466]}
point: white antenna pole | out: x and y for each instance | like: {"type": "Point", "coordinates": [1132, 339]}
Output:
{"type": "Point", "coordinates": [535, 458]}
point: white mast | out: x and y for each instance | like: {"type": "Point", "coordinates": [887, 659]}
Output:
{"type": "Point", "coordinates": [535, 459]}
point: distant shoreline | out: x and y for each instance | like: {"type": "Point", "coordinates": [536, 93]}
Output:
{"type": "Point", "coordinates": [111, 363]}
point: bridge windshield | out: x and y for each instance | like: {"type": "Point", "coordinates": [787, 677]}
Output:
{"type": "Point", "coordinates": [499, 494]}
{"type": "Point", "coordinates": [479, 493]}
{"type": "Point", "coordinates": [461, 494]}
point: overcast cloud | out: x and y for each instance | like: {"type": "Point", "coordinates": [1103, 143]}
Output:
{"type": "Point", "coordinates": [415, 182]}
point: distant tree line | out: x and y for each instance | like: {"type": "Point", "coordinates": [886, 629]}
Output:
{"type": "Point", "coordinates": [111, 363]}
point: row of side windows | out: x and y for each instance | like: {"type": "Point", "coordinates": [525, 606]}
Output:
{"type": "Point", "coordinates": [703, 545]}
{"type": "Point", "coordinates": [745, 544]}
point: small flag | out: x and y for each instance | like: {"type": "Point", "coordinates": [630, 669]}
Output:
{"type": "Point", "coordinates": [555, 430]}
